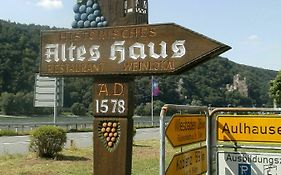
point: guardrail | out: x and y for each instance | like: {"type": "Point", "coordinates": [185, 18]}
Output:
{"type": "Point", "coordinates": [25, 127]}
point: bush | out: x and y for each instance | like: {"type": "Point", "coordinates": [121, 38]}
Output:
{"type": "Point", "coordinates": [8, 133]}
{"type": "Point", "coordinates": [47, 141]}
{"type": "Point", "coordinates": [78, 109]}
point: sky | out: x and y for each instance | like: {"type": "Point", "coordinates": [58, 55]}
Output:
{"type": "Point", "coordinates": [251, 27]}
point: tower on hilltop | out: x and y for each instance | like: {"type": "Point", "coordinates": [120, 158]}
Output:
{"type": "Point", "coordinates": [239, 84]}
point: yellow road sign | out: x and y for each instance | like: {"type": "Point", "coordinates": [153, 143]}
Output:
{"type": "Point", "coordinates": [189, 163]}
{"type": "Point", "coordinates": [249, 128]}
{"type": "Point", "coordinates": [185, 129]}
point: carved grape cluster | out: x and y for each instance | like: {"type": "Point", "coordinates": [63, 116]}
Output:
{"type": "Point", "coordinates": [109, 133]}
{"type": "Point", "coordinates": [88, 14]}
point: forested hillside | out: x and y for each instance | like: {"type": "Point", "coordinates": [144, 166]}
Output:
{"type": "Point", "coordinates": [203, 85]}
{"type": "Point", "coordinates": [19, 50]}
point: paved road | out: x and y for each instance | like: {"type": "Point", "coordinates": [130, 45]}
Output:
{"type": "Point", "coordinates": [147, 134]}
{"type": "Point", "coordinates": [20, 144]}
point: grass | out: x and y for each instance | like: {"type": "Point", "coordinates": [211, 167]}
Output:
{"type": "Point", "coordinates": [80, 161]}
{"type": "Point", "coordinates": [72, 162]}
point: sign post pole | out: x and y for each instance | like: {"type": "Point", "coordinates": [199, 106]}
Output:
{"type": "Point", "coordinates": [113, 107]}
{"type": "Point", "coordinates": [152, 102]}
{"type": "Point", "coordinates": [55, 101]}
{"type": "Point", "coordinates": [113, 99]}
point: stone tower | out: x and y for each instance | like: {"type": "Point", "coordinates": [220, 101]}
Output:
{"type": "Point", "coordinates": [239, 84]}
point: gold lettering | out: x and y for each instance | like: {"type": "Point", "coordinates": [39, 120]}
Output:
{"type": "Point", "coordinates": [74, 68]}
{"type": "Point", "coordinates": [128, 66]}
{"type": "Point", "coordinates": [136, 66]}
{"type": "Point", "coordinates": [50, 69]}
{"type": "Point", "coordinates": [152, 33]}
{"type": "Point", "coordinates": [103, 89]}
{"type": "Point", "coordinates": [133, 33]}
{"type": "Point", "coordinates": [89, 68]}
{"type": "Point", "coordinates": [125, 34]}
{"type": "Point", "coordinates": [138, 32]}
{"type": "Point", "coordinates": [144, 32]}
{"type": "Point", "coordinates": [156, 66]}
{"type": "Point", "coordinates": [122, 33]}
{"type": "Point", "coordinates": [118, 89]}
{"type": "Point", "coordinates": [98, 68]}
{"type": "Point", "coordinates": [57, 68]}
{"type": "Point", "coordinates": [71, 68]}
{"type": "Point", "coordinates": [149, 66]}
{"type": "Point", "coordinates": [86, 35]}
{"type": "Point", "coordinates": [81, 68]}
{"type": "Point", "coordinates": [116, 34]}
{"type": "Point", "coordinates": [76, 36]}
{"type": "Point", "coordinates": [93, 35]}
{"type": "Point", "coordinates": [102, 35]}
{"type": "Point", "coordinates": [144, 66]}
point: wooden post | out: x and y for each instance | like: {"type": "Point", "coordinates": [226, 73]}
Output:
{"type": "Point", "coordinates": [113, 99]}
{"type": "Point", "coordinates": [113, 107]}
{"type": "Point", "coordinates": [115, 159]}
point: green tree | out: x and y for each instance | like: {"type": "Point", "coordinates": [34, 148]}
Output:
{"type": "Point", "coordinates": [78, 109]}
{"type": "Point", "coordinates": [157, 106]}
{"type": "Point", "coordinates": [17, 104]}
{"type": "Point", "coordinates": [139, 110]}
{"type": "Point", "coordinates": [275, 88]}
{"type": "Point", "coordinates": [7, 103]}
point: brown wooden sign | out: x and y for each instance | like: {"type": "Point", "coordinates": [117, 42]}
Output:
{"type": "Point", "coordinates": [132, 50]}
{"type": "Point", "coordinates": [186, 129]}
{"type": "Point", "coordinates": [111, 98]}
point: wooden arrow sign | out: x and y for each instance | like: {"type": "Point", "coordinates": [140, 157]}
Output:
{"type": "Point", "coordinates": [186, 129]}
{"type": "Point", "coordinates": [130, 50]}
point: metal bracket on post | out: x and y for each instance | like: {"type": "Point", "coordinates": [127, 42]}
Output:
{"type": "Point", "coordinates": [162, 140]}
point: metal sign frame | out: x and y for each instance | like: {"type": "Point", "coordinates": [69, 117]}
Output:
{"type": "Point", "coordinates": [164, 110]}
{"type": "Point", "coordinates": [211, 139]}
{"type": "Point", "coordinates": [216, 146]}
